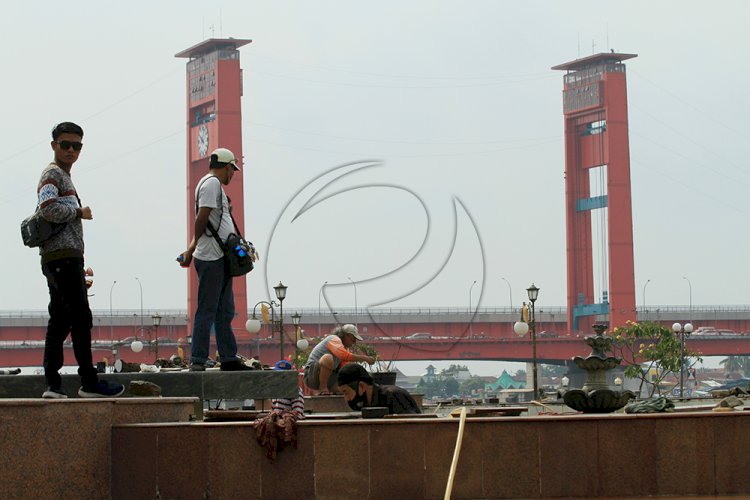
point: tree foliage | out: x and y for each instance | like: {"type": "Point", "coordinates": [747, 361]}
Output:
{"type": "Point", "coordinates": [736, 364]}
{"type": "Point", "coordinates": [651, 352]}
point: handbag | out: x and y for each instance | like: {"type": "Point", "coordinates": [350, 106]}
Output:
{"type": "Point", "coordinates": [239, 254]}
{"type": "Point", "coordinates": [35, 229]}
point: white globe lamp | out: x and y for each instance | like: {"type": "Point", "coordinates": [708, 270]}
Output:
{"type": "Point", "coordinates": [136, 346]}
{"type": "Point", "coordinates": [521, 328]}
{"type": "Point", "coordinates": [252, 325]}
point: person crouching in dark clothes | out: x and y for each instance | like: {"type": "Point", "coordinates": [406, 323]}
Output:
{"type": "Point", "coordinates": [360, 391]}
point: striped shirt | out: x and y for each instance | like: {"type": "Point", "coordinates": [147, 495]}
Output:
{"type": "Point", "coordinates": [296, 405]}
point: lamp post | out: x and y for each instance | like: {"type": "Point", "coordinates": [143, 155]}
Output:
{"type": "Point", "coordinates": [280, 290]}
{"type": "Point", "coordinates": [111, 329]}
{"type": "Point", "coordinates": [521, 328]}
{"type": "Point", "coordinates": [510, 293]}
{"type": "Point", "coordinates": [296, 317]}
{"type": "Point", "coordinates": [253, 324]}
{"type": "Point", "coordinates": [472, 286]}
{"type": "Point", "coordinates": [356, 314]}
{"type": "Point", "coordinates": [320, 292]}
{"type": "Point", "coordinates": [141, 287]}
{"type": "Point", "coordinates": [156, 321]}
{"type": "Point", "coordinates": [682, 330]}
{"type": "Point", "coordinates": [471, 322]}
{"type": "Point", "coordinates": [690, 289]}
{"type": "Point", "coordinates": [644, 298]}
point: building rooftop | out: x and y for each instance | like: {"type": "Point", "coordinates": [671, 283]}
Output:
{"type": "Point", "coordinates": [594, 59]}
{"type": "Point", "coordinates": [211, 45]}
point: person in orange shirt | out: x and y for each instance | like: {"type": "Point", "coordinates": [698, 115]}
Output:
{"type": "Point", "coordinates": [331, 354]}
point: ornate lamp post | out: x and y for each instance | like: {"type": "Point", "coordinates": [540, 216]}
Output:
{"type": "Point", "coordinates": [253, 324]}
{"type": "Point", "coordinates": [521, 328]}
{"type": "Point", "coordinates": [156, 321]}
{"type": "Point", "coordinates": [280, 290]}
{"type": "Point", "coordinates": [644, 298]}
{"type": "Point", "coordinates": [682, 330]}
{"type": "Point", "coordinates": [296, 317]}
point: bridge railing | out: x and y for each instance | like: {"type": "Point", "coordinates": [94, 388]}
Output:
{"type": "Point", "coordinates": [394, 311]}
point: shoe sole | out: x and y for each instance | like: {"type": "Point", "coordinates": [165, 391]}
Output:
{"type": "Point", "coordinates": [53, 395]}
{"type": "Point", "coordinates": [85, 394]}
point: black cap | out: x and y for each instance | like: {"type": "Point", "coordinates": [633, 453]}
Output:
{"type": "Point", "coordinates": [353, 373]}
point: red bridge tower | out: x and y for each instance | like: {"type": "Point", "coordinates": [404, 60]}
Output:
{"type": "Point", "coordinates": [214, 120]}
{"type": "Point", "coordinates": [599, 221]}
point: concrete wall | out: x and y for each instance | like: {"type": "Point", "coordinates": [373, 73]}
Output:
{"type": "Point", "coordinates": [62, 448]}
{"type": "Point", "coordinates": [584, 456]}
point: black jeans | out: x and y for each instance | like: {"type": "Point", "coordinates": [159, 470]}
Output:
{"type": "Point", "coordinates": [69, 312]}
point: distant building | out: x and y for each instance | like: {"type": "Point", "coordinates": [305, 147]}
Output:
{"type": "Point", "coordinates": [504, 381]}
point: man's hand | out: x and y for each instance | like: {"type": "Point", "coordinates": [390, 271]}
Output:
{"type": "Point", "coordinates": [368, 359]}
{"type": "Point", "coordinates": [86, 213]}
{"type": "Point", "coordinates": [185, 258]}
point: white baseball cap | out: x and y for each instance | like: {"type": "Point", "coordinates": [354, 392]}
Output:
{"type": "Point", "coordinates": [223, 155]}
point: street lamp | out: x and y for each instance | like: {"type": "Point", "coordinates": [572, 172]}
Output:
{"type": "Point", "coordinates": [280, 290]}
{"type": "Point", "coordinates": [141, 287]}
{"type": "Point", "coordinates": [296, 317]}
{"type": "Point", "coordinates": [156, 321]}
{"type": "Point", "coordinates": [682, 330]}
{"type": "Point", "coordinates": [690, 288]}
{"type": "Point", "coordinates": [472, 286]}
{"type": "Point", "coordinates": [320, 292]}
{"type": "Point", "coordinates": [253, 324]}
{"type": "Point", "coordinates": [510, 293]}
{"type": "Point", "coordinates": [644, 298]}
{"type": "Point", "coordinates": [356, 317]}
{"type": "Point", "coordinates": [111, 330]}
{"type": "Point", "coordinates": [521, 328]}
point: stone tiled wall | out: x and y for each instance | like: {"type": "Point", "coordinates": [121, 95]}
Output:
{"type": "Point", "coordinates": [62, 448]}
{"type": "Point", "coordinates": [551, 456]}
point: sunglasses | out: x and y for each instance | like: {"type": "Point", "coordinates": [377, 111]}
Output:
{"type": "Point", "coordinates": [65, 145]}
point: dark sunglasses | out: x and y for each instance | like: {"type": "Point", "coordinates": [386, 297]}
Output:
{"type": "Point", "coordinates": [65, 145]}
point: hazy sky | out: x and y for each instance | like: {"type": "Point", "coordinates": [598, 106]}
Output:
{"type": "Point", "coordinates": [455, 100]}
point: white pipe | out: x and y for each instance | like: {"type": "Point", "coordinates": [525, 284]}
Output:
{"type": "Point", "coordinates": [456, 452]}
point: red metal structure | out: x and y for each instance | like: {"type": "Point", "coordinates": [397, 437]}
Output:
{"type": "Point", "coordinates": [599, 221]}
{"type": "Point", "coordinates": [214, 119]}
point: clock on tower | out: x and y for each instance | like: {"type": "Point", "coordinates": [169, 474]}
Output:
{"type": "Point", "coordinates": [202, 140]}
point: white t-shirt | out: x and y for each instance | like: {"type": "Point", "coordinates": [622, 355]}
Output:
{"type": "Point", "coordinates": [208, 193]}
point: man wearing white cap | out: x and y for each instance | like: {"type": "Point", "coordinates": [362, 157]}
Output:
{"type": "Point", "coordinates": [329, 355]}
{"type": "Point", "coordinates": [215, 297]}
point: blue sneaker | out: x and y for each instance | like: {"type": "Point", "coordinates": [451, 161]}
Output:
{"type": "Point", "coordinates": [102, 389]}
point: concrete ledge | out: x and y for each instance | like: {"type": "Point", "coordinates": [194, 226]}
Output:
{"type": "Point", "coordinates": [62, 448]}
{"type": "Point", "coordinates": [579, 456]}
{"type": "Point", "coordinates": [256, 384]}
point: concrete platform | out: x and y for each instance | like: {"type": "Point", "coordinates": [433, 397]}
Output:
{"type": "Point", "coordinates": [692, 454]}
{"type": "Point", "coordinates": [257, 384]}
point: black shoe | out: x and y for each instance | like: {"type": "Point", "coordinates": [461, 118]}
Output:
{"type": "Point", "coordinates": [197, 367]}
{"type": "Point", "coordinates": [233, 366]}
{"type": "Point", "coordinates": [102, 389]}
